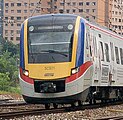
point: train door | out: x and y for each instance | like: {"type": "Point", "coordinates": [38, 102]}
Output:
{"type": "Point", "coordinates": [95, 58]}
{"type": "Point", "coordinates": [104, 60]}
{"type": "Point", "coordinates": [112, 65]}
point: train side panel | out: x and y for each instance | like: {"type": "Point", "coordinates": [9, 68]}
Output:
{"type": "Point", "coordinates": [106, 54]}
{"type": "Point", "coordinates": [106, 48]}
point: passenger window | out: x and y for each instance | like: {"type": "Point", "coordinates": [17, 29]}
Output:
{"type": "Point", "coordinates": [117, 55]}
{"type": "Point", "coordinates": [121, 55]}
{"type": "Point", "coordinates": [112, 51]}
{"type": "Point", "coordinates": [99, 35]}
{"type": "Point", "coordinates": [107, 52]}
{"type": "Point", "coordinates": [101, 51]}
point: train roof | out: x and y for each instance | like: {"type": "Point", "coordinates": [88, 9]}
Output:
{"type": "Point", "coordinates": [103, 29]}
{"type": "Point", "coordinates": [91, 24]}
{"type": "Point", "coordinates": [58, 15]}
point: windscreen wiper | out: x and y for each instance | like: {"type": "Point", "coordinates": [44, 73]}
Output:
{"type": "Point", "coordinates": [53, 51]}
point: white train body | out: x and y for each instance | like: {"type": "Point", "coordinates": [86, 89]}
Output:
{"type": "Point", "coordinates": [92, 71]}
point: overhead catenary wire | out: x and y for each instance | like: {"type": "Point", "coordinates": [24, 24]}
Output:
{"type": "Point", "coordinates": [9, 19]}
{"type": "Point", "coordinates": [101, 20]}
{"type": "Point", "coordinates": [38, 3]}
{"type": "Point", "coordinates": [64, 1]}
{"type": "Point", "coordinates": [85, 12]}
{"type": "Point", "coordinates": [36, 7]}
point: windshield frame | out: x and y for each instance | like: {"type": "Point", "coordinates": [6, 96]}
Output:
{"type": "Point", "coordinates": [54, 54]}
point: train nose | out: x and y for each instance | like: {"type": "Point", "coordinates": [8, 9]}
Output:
{"type": "Point", "coordinates": [48, 87]}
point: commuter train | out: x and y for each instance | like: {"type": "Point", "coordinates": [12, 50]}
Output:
{"type": "Point", "coordinates": [65, 59]}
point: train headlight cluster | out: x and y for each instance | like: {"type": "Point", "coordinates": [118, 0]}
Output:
{"type": "Point", "coordinates": [75, 70]}
{"type": "Point", "coordinates": [25, 72]}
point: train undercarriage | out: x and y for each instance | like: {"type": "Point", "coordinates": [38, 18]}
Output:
{"type": "Point", "coordinates": [95, 94]}
{"type": "Point", "coordinates": [104, 94]}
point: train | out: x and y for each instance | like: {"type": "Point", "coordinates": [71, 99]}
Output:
{"type": "Point", "coordinates": [65, 59]}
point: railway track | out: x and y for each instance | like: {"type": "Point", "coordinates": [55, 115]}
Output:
{"type": "Point", "coordinates": [114, 117]}
{"type": "Point", "coordinates": [5, 100]}
{"type": "Point", "coordinates": [21, 110]}
{"type": "Point", "coordinates": [10, 101]}
{"type": "Point", "coordinates": [28, 112]}
{"type": "Point", "coordinates": [13, 104]}
{"type": "Point", "coordinates": [111, 118]}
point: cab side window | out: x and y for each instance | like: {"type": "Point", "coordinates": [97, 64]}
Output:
{"type": "Point", "coordinates": [101, 51]}
{"type": "Point", "coordinates": [121, 55]}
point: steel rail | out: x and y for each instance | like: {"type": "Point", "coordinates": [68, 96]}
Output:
{"type": "Point", "coordinates": [110, 118]}
{"type": "Point", "coordinates": [58, 110]}
{"type": "Point", "coordinates": [5, 100]}
{"type": "Point", "coordinates": [29, 112]}
{"type": "Point", "coordinates": [12, 104]}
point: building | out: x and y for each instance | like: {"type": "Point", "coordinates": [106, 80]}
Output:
{"type": "Point", "coordinates": [117, 16]}
{"type": "Point", "coordinates": [1, 17]}
{"type": "Point", "coordinates": [92, 10]}
{"type": "Point", "coordinates": [16, 11]}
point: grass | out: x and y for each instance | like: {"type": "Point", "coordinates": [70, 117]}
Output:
{"type": "Point", "coordinates": [12, 90]}
{"type": "Point", "coordinates": [15, 90]}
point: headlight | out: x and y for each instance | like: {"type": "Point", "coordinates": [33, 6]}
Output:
{"type": "Point", "coordinates": [75, 70]}
{"type": "Point", "coordinates": [26, 73]}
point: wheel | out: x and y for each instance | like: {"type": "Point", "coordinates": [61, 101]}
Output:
{"type": "Point", "coordinates": [103, 101]}
{"type": "Point", "coordinates": [94, 101]}
{"type": "Point", "coordinates": [79, 103]}
{"type": "Point", "coordinates": [90, 101]}
{"type": "Point", "coordinates": [55, 105]}
{"type": "Point", "coordinates": [73, 105]}
{"type": "Point", "coordinates": [29, 100]}
{"type": "Point", "coordinates": [47, 106]}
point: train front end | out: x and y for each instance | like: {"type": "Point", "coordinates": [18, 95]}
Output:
{"type": "Point", "coordinates": [52, 65]}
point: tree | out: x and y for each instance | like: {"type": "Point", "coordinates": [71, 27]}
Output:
{"type": "Point", "coordinates": [9, 64]}
{"type": "Point", "coordinates": [9, 46]}
{"type": "Point", "coordinates": [9, 55]}
{"type": "Point", "coordinates": [4, 81]}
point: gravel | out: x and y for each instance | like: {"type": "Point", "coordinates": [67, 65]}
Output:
{"type": "Point", "coordinates": [88, 114]}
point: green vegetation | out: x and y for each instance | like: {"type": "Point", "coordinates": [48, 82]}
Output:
{"type": "Point", "coordinates": [9, 56]}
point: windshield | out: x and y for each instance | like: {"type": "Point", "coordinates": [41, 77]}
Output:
{"type": "Point", "coordinates": [50, 43]}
